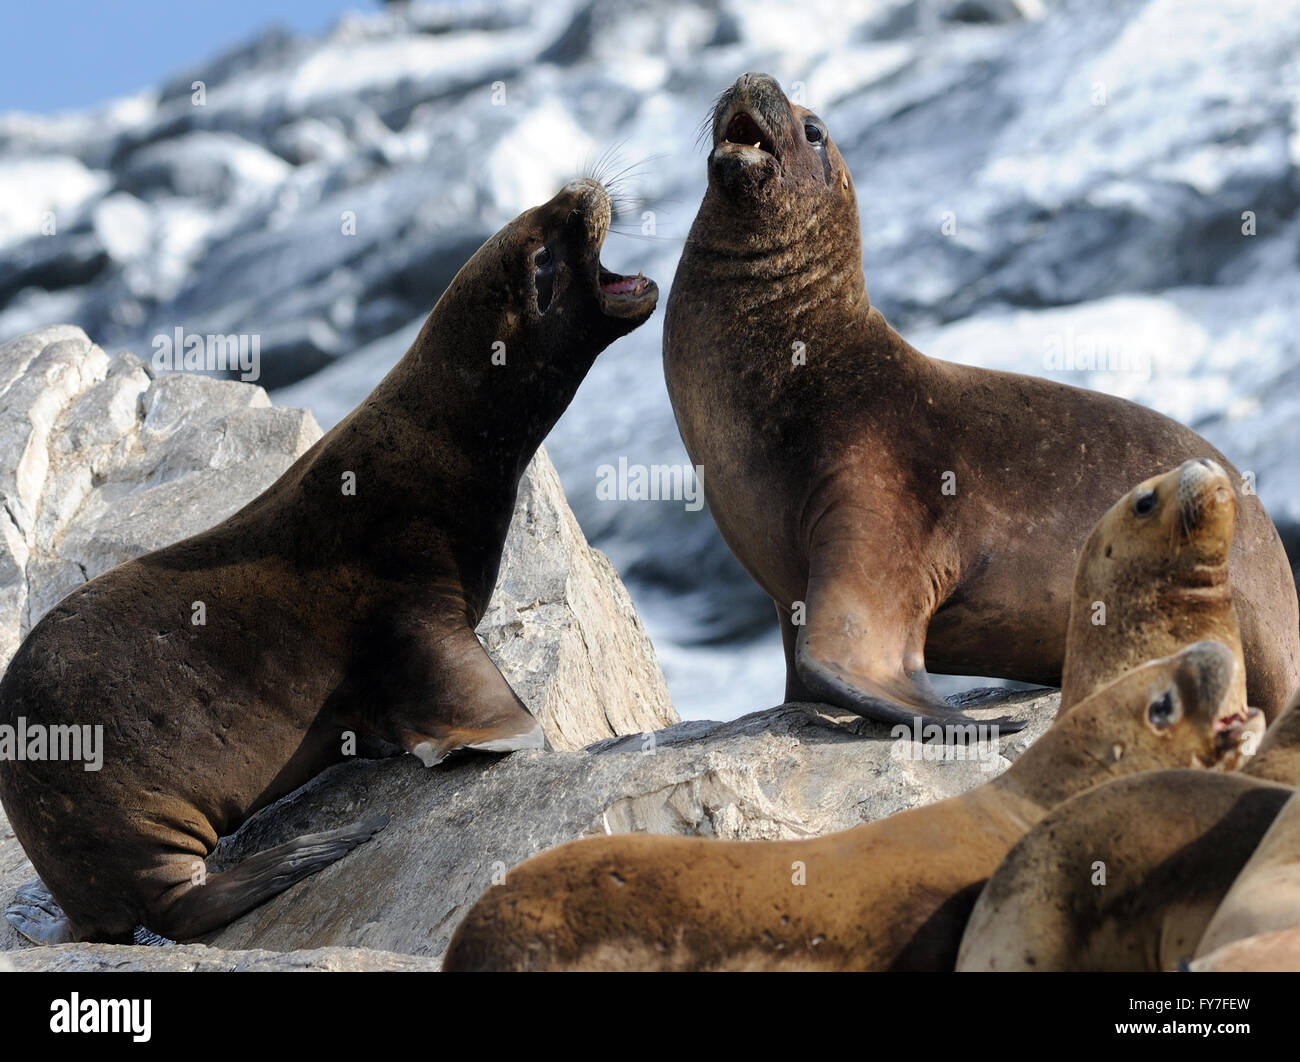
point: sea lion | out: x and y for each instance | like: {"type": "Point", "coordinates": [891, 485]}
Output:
{"type": "Point", "coordinates": [890, 894]}
{"type": "Point", "coordinates": [342, 599]}
{"type": "Point", "coordinates": [1276, 952]}
{"type": "Point", "coordinates": [1153, 576]}
{"type": "Point", "coordinates": [1167, 845]}
{"type": "Point", "coordinates": [1265, 897]}
{"type": "Point", "coordinates": [912, 513]}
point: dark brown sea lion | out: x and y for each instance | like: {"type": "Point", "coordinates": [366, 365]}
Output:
{"type": "Point", "coordinates": [912, 512]}
{"type": "Point", "coordinates": [342, 599]}
{"type": "Point", "coordinates": [1127, 876]}
{"type": "Point", "coordinates": [891, 894]}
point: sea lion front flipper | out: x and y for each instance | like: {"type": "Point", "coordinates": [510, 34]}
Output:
{"type": "Point", "coordinates": [862, 645]}
{"type": "Point", "coordinates": [443, 692]}
{"type": "Point", "coordinates": [36, 915]}
{"type": "Point", "coordinates": [189, 910]}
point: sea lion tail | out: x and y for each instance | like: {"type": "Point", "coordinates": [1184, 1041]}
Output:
{"type": "Point", "coordinates": [193, 910]}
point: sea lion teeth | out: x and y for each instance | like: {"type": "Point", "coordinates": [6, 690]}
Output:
{"type": "Point", "coordinates": [341, 601]}
{"type": "Point", "coordinates": [910, 501]}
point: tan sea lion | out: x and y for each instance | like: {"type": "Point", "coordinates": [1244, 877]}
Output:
{"type": "Point", "coordinates": [1276, 952]}
{"type": "Point", "coordinates": [1153, 576]}
{"type": "Point", "coordinates": [341, 600]}
{"type": "Point", "coordinates": [903, 513]}
{"type": "Point", "coordinates": [1127, 876]}
{"type": "Point", "coordinates": [890, 894]}
{"type": "Point", "coordinates": [1265, 897]}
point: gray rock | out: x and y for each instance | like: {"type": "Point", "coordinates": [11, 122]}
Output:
{"type": "Point", "coordinates": [794, 771]}
{"type": "Point", "coordinates": [197, 958]}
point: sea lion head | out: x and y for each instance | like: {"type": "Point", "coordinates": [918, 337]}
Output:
{"type": "Point", "coordinates": [550, 256]}
{"type": "Point", "coordinates": [1183, 713]}
{"type": "Point", "coordinates": [1153, 575]}
{"type": "Point", "coordinates": [1176, 527]}
{"type": "Point", "coordinates": [531, 309]}
{"type": "Point", "coordinates": [773, 158]}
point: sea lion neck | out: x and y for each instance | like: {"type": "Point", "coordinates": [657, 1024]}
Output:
{"type": "Point", "coordinates": [770, 261]}
{"type": "Point", "coordinates": [1064, 761]}
{"type": "Point", "coordinates": [449, 388]}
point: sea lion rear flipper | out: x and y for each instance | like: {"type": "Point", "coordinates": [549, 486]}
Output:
{"type": "Point", "coordinates": [36, 915]}
{"type": "Point", "coordinates": [862, 646]}
{"type": "Point", "coordinates": [190, 910]}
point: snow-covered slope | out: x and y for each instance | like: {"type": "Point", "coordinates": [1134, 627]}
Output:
{"type": "Point", "coordinates": [1040, 183]}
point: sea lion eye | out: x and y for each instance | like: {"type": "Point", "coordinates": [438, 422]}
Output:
{"type": "Point", "coordinates": [1145, 504]}
{"type": "Point", "coordinates": [1163, 711]}
{"type": "Point", "coordinates": [813, 132]}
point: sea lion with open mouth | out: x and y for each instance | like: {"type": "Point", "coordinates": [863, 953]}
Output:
{"type": "Point", "coordinates": [903, 513]}
{"type": "Point", "coordinates": [342, 600]}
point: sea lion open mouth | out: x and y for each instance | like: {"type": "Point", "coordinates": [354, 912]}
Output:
{"type": "Point", "coordinates": [1234, 734]}
{"type": "Point", "coordinates": [624, 296]}
{"type": "Point", "coordinates": [617, 294]}
{"type": "Point", "coordinates": [744, 131]}
{"type": "Point", "coordinates": [615, 284]}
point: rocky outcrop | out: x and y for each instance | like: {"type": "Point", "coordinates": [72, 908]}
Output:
{"type": "Point", "coordinates": [794, 771]}
{"type": "Point", "coordinates": [196, 958]}
{"type": "Point", "coordinates": [563, 630]}
{"type": "Point", "coordinates": [100, 462]}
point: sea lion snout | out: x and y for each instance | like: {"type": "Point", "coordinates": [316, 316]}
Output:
{"type": "Point", "coordinates": [1204, 496]}
{"type": "Point", "coordinates": [752, 124]}
{"type": "Point", "coordinates": [588, 204]}
{"type": "Point", "coordinates": [1205, 681]}
{"type": "Point", "coordinates": [752, 117]}
{"type": "Point", "coordinates": [762, 139]}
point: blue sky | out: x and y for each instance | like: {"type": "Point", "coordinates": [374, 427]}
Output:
{"type": "Point", "coordinates": [63, 54]}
